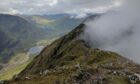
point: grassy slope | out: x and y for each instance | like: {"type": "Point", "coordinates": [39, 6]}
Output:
{"type": "Point", "coordinates": [41, 21]}
{"type": "Point", "coordinates": [16, 69]}
{"type": "Point", "coordinates": [8, 74]}
{"type": "Point", "coordinates": [15, 66]}
{"type": "Point", "coordinates": [18, 62]}
{"type": "Point", "coordinates": [62, 57]}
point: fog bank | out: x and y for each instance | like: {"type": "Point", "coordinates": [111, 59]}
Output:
{"type": "Point", "coordinates": [117, 30]}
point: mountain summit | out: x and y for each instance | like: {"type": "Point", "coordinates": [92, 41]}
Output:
{"type": "Point", "coordinates": [69, 60]}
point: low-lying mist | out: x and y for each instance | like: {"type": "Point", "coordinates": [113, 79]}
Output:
{"type": "Point", "coordinates": [117, 30]}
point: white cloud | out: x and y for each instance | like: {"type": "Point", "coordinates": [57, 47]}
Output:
{"type": "Point", "coordinates": [56, 6]}
{"type": "Point", "coordinates": [13, 11]}
{"type": "Point", "coordinates": [117, 30]}
{"type": "Point", "coordinates": [53, 2]}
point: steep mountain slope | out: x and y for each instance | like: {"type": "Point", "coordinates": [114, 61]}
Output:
{"type": "Point", "coordinates": [69, 60]}
{"type": "Point", "coordinates": [17, 33]}
{"type": "Point", "coordinates": [20, 33]}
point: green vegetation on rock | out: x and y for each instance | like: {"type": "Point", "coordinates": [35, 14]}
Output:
{"type": "Point", "coordinates": [69, 60]}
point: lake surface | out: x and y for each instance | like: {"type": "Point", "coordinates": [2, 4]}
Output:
{"type": "Point", "coordinates": [35, 50]}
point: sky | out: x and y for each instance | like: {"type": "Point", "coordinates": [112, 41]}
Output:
{"type": "Point", "coordinates": [56, 6]}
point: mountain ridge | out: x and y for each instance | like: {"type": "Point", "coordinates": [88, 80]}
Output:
{"type": "Point", "coordinates": [69, 60]}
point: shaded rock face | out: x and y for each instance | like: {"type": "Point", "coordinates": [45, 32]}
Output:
{"type": "Point", "coordinates": [69, 60]}
{"type": "Point", "coordinates": [17, 34]}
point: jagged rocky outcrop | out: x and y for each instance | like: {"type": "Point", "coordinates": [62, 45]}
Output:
{"type": "Point", "coordinates": [69, 60]}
